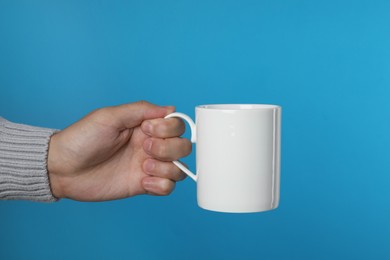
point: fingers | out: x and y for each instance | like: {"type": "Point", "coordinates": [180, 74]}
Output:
{"type": "Point", "coordinates": [169, 149]}
{"type": "Point", "coordinates": [164, 146]}
{"type": "Point", "coordinates": [161, 169]}
{"type": "Point", "coordinates": [158, 186]}
{"type": "Point", "coordinates": [162, 177]}
{"type": "Point", "coordinates": [163, 128]}
{"type": "Point", "coordinates": [133, 114]}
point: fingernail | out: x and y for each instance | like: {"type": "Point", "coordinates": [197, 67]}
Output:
{"type": "Point", "coordinates": [147, 127]}
{"type": "Point", "coordinates": [148, 145]}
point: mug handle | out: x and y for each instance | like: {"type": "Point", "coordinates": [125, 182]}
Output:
{"type": "Point", "coordinates": [193, 140]}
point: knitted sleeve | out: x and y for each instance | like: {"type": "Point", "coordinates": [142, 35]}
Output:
{"type": "Point", "coordinates": [23, 162]}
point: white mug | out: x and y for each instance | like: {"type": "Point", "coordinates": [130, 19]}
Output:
{"type": "Point", "coordinates": [237, 156]}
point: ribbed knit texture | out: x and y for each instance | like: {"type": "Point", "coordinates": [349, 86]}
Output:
{"type": "Point", "coordinates": [23, 162]}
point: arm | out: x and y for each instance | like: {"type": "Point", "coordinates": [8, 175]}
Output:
{"type": "Point", "coordinates": [117, 152]}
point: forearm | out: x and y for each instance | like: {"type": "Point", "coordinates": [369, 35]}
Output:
{"type": "Point", "coordinates": [23, 162]}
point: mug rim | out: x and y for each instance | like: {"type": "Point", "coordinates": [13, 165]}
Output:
{"type": "Point", "coordinates": [238, 107]}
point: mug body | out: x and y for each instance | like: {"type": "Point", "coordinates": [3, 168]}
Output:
{"type": "Point", "coordinates": [238, 157]}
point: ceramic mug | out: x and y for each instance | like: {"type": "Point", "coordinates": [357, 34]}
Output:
{"type": "Point", "coordinates": [237, 156]}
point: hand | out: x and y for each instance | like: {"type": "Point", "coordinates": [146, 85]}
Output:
{"type": "Point", "coordinates": [118, 152]}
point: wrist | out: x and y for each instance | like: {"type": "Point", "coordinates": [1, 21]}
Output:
{"type": "Point", "coordinates": [54, 172]}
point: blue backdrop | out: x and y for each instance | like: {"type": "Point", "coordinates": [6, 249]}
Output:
{"type": "Point", "coordinates": [327, 63]}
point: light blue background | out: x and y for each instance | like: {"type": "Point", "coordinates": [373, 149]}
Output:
{"type": "Point", "coordinates": [326, 62]}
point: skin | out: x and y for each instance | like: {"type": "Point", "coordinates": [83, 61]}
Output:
{"type": "Point", "coordinates": [118, 152]}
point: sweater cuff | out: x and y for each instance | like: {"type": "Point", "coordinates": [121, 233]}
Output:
{"type": "Point", "coordinates": [23, 162]}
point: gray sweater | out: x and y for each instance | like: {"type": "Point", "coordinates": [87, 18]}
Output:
{"type": "Point", "coordinates": [23, 162]}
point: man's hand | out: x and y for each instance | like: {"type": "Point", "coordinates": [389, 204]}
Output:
{"type": "Point", "coordinates": [118, 152]}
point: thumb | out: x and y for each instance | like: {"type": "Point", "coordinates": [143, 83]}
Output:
{"type": "Point", "coordinates": [133, 114]}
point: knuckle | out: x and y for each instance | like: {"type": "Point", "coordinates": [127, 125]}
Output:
{"type": "Point", "coordinates": [104, 113]}
{"type": "Point", "coordinates": [142, 102]}
{"type": "Point", "coordinates": [101, 111]}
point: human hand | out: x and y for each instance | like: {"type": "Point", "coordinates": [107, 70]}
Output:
{"type": "Point", "coordinates": [118, 152]}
